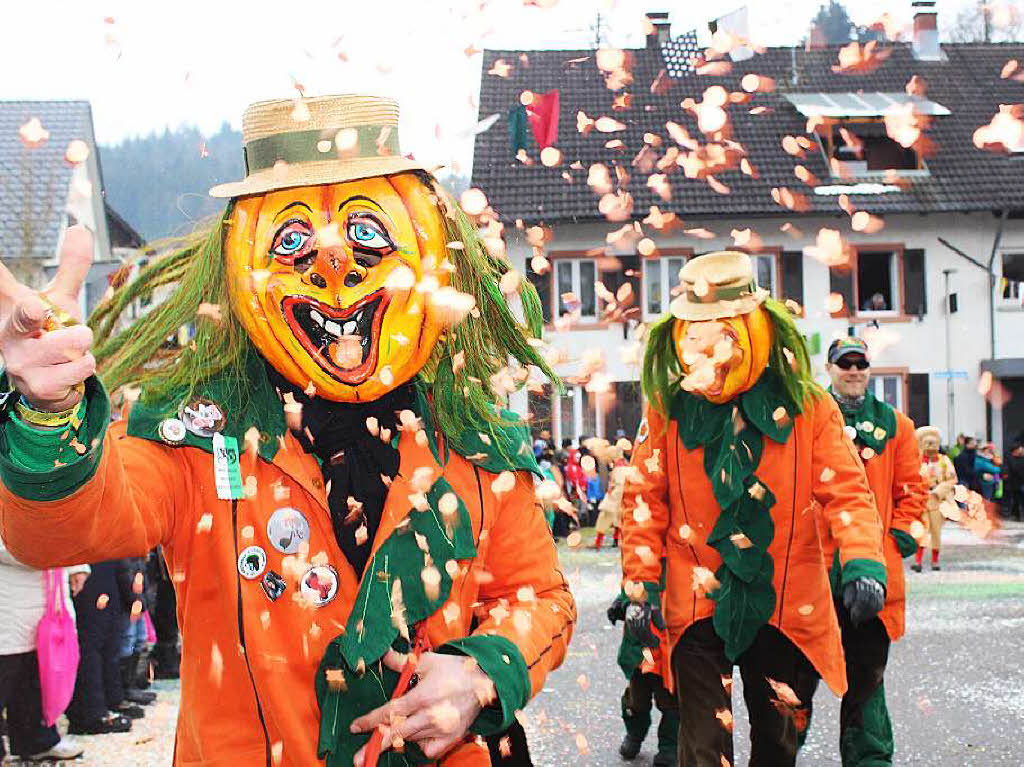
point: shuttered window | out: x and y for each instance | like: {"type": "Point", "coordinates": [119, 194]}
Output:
{"type": "Point", "coordinates": [915, 295]}
{"type": "Point", "coordinates": [919, 406]}
{"type": "Point", "coordinates": [841, 282]}
{"type": "Point", "coordinates": [542, 283]}
{"type": "Point", "coordinates": [792, 276]}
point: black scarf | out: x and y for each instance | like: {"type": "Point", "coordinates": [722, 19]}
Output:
{"type": "Point", "coordinates": [353, 461]}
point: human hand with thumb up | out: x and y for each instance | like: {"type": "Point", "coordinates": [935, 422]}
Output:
{"type": "Point", "coordinates": [46, 351]}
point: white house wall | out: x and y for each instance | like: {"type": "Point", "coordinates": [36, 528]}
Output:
{"type": "Point", "coordinates": [918, 346]}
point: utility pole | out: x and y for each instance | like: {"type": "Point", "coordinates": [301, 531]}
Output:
{"type": "Point", "coordinates": [597, 32]}
{"type": "Point", "coordinates": [950, 421]}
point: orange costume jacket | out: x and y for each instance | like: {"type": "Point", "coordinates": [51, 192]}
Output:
{"type": "Point", "coordinates": [806, 469]}
{"type": "Point", "coordinates": [892, 462]}
{"type": "Point", "coordinates": [491, 580]}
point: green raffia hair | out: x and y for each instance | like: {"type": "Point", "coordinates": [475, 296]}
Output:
{"type": "Point", "coordinates": [662, 370]}
{"type": "Point", "coordinates": [463, 400]}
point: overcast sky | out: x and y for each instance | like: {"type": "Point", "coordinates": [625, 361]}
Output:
{"type": "Point", "coordinates": [200, 63]}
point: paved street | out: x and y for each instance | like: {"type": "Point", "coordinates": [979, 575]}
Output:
{"type": "Point", "coordinates": [954, 683]}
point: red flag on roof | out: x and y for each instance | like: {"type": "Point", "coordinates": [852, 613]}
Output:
{"type": "Point", "coordinates": [543, 115]}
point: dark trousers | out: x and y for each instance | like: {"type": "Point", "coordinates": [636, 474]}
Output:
{"type": "Point", "coordinates": [643, 693]}
{"type": "Point", "coordinates": [865, 732]}
{"type": "Point", "coordinates": [509, 748]}
{"type": "Point", "coordinates": [1017, 502]}
{"type": "Point", "coordinates": [164, 613]}
{"type": "Point", "coordinates": [98, 684]}
{"type": "Point", "coordinates": [703, 680]}
{"type": "Point", "coordinates": [21, 697]}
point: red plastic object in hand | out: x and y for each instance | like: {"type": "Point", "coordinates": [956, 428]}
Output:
{"type": "Point", "coordinates": [420, 646]}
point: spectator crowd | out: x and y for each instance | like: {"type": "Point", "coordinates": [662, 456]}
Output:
{"type": "Point", "coordinates": [82, 642]}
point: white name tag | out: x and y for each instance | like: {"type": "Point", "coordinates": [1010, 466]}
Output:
{"type": "Point", "coordinates": [226, 470]}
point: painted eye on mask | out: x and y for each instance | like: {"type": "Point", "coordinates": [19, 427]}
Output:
{"type": "Point", "coordinates": [292, 241]}
{"type": "Point", "coordinates": [369, 239]}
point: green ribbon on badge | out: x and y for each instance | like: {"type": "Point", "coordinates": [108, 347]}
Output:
{"type": "Point", "coordinates": [227, 470]}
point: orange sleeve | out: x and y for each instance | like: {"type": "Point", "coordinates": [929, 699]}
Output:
{"type": "Point", "coordinates": [840, 486]}
{"type": "Point", "coordinates": [909, 490]}
{"type": "Point", "coordinates": [124, 509]}
{"type": "Point", "coordinates": [646, 509]}
{"type": "Point", "coordinates": [525, 597]}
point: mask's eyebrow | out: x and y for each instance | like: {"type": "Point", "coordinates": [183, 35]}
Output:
{"type": "Point", "coordinates": [360, 198]}
{"type": "Point", "coordinates": [297, 203]}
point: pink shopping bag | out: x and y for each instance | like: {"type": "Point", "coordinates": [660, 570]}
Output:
{"type": "Point", "coordinates": [57, 647]}
{"type": "Point", "coordinates": [150, 628]}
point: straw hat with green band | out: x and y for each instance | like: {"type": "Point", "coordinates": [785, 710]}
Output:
{"type": "Point", "coordinates": [717, 285]}
{"type": "Point", "coordinates": [321, 140]}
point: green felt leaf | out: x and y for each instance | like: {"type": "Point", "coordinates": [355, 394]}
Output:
{"type": "Point", "coordinates": [510, 448]}
{"type": "Point", "coordinates": [874, 423]}
{"type": "Point", "coordinates": [760, 406]}
{"type": "Point", "coordinates": [742, 537]}
{"type": "Point", "coordinates": [741, 607]}
{"type": "Point", "coordinates": [699, 421]}
{"type": "Point", "coordinates": [631, 654]}
{"type": "Point", "coordinates": [370, 630]}
{"type": "Point", "coordinates": [904, 542]}
{"type": "Point", "coordinates": [360, 694]}
{"type": "Point", "coordinates": [738, 457]}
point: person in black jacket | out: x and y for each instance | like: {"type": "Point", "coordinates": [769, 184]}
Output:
{"type": "Point", "coordinates": [98, 704]}
{"type": "Point", "coordinates": [1014, 486]}
{"type": "Point", "coordinates": [964, 464]}
{"type": "Point", "coordinates": [166, 656]}
{"type": "Point", "coordinates": [131, 581]}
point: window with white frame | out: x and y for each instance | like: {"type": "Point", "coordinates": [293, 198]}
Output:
{"type": "Point", "coordinates": [576, 278]}
{"type": "Point", "coordinates": [1012, 285]}
{"type": "Point", "coordinates": [889, 389]}
{"type": "Point", "coordinates": [764, 269]}
{"type": "Point", "coordinates": [661, 275]}
{"type": "Point", "coordinates": [877, 282]}
{"type": "Point", "coordinates": [578, 414]}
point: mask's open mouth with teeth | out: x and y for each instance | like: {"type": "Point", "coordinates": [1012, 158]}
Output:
{"type": "Point", "coordinates": [344, 342]}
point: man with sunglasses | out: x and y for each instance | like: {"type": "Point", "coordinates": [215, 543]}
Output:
{"type": "Point", "coordinates": [887, 445]}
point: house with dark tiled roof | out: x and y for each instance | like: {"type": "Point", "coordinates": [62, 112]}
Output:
{"type": "Point", "coordinates": [51, 178]}
{"type": "Point", "coordinates": [930, 265]}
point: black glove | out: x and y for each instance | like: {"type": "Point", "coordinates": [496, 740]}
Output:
{"type": "Point", "coordinates": [617, 609]}
{"type": "Point", "coordinates": [640, 616]}
{"type": "Point", "coordinates": [863, 599]}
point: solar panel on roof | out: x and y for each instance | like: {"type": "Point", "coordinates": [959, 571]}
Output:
{"type": "Point", "coordinates": [854, 104]}
{"type": "Point", "coordinates": [677, 53]}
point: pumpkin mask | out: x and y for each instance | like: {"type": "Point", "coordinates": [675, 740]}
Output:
{"type": "Point", "coordinates": [332, 281]}
{"type": "Point", "coordinates": [722, 358]}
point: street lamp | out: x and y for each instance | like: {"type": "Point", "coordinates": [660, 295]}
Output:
{"type": "Point", "coordinates": [949, 365]}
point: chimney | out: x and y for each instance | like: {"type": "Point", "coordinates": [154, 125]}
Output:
{"type": "Point", "coordinates": [926, 31]}
{"type": "Point", "coordinates": [658, 29]}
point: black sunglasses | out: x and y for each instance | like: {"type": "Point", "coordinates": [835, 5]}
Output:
{"type": "Point", "coordinates": [845, 363]}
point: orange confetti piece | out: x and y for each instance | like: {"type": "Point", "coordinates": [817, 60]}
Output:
{"type": "Point", "coordinates": [473, 201]}
{"type": "Point", "coordinates": [724, 716]}
{"type": "Point", "coordinates": [33, 135]}
{"type": "Point", "coordinates": [501, 68]}
{"type": "Point", "coordinates": [216, 665]}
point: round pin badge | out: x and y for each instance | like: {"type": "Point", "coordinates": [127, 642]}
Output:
{"type": "Point", "coordinates": [319, 585]}
{"type": "Point", "coordinates": [251, 562]}
{"type": "Point", "coordinates": [203, 417]}
{"type": "Point", "coordinates": [643, 432]}
{"type": "Point", "coordinates": [287, 528]}
{"type": "Point", "coordinates": [172, 431]}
